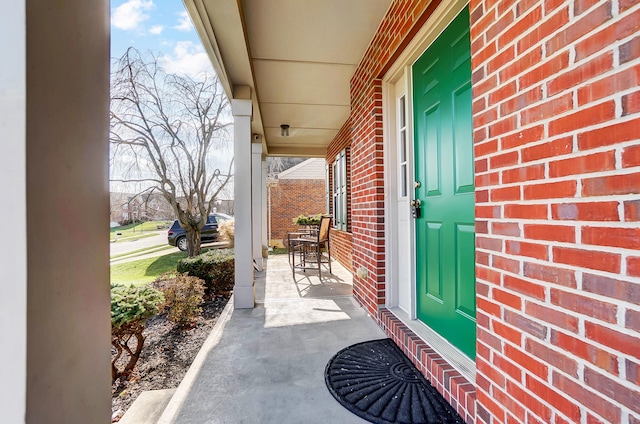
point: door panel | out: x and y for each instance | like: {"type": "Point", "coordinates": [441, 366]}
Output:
{"type": "Point", "coordinates": [443, 145]}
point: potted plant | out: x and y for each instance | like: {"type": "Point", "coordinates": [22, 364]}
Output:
{"type": "Point", "coordinates": [307, 219]}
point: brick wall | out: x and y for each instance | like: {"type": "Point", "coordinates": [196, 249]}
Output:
{"type": "Point", "coordinates": [290, 198]}
{"type": "Point", "coordinates": [363, 133]}
{"type": "Point", "coordinates": [556, 128]}
{"type": "Point", "coordinates": [556, 125]}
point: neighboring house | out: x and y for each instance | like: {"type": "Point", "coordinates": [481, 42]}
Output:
{"type": "Point", "coordinates": [298, 190]}
{"type": "Point", "coordinates": [516, 286]}
{"type": "Point", "coordinates": [126, 206]}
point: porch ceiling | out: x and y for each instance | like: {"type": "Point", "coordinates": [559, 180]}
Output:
{"type": "Point", "coordinates": [297, 56]}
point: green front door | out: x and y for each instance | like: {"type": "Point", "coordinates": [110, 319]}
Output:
{"type": "Point", "coordinates": [445, 235]}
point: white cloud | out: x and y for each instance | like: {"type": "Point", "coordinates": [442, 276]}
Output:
{"type": "Point", "coordinates": [156, 29]}
{"type": "Point", "coordinates": [129, 15]}
{"type": "Point", "coordinates": [187, 58]}
{"type": "Point", "coordinates": [185, 23]}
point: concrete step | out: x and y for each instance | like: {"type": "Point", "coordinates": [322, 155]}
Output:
{"type": "Point", "coordinates": [148, 407]}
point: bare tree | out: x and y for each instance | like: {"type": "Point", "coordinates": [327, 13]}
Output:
{"type": "Point", "coordinates": [170, 133]}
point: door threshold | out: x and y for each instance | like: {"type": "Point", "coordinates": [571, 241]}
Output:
{"type": "Point", "coordinates": [461, 362]}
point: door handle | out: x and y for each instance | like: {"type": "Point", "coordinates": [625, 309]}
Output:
{"type": "Point", "coordinates": [415, 208]}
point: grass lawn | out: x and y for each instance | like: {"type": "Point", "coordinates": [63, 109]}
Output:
{"type": "Point", "coordinates": [139, 228]}
{"type": "Point", "coordinates": [144, 271]}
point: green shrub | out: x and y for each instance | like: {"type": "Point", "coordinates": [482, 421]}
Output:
{"type": "Point", "coordinates": [131, 306]}
{"type": "Point", "coordinates": [216, 267]}
{"type": "Point", "coordinates": [183, 295]}
{"type": "Point", "coordinates": [308, 219]}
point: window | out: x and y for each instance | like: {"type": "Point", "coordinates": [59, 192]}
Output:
{"type": "Point", "coordinates": [402, 145]}
{"type": "Point", "coordinates": [340, 191]}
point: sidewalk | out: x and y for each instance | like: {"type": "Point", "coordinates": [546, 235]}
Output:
{"type": "Point", "coordinates": [266, 365]}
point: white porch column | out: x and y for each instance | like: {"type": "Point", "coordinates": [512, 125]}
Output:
{"type": "Point", "coordinates": [256, 202]}
{"type": "Point", "coordinates": [244, 289]}
{"type": "Point", "coordinates": [265, 241]}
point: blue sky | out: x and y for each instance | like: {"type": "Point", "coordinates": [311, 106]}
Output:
{"type": "Point", "coordinates": [162, 26]}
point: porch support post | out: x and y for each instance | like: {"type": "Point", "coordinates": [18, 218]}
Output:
{"type": "Point", "coordinates": [265, 241]}
{"type": "Point", "coordinates": [244, 289]}
{"type": "Point", "coordinates": [256, 202]}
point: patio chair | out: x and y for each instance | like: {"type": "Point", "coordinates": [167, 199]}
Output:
{"type": "Point", "coordinates": [309, 249]}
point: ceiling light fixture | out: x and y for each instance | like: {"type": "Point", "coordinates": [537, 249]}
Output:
{"type": "Point", "coordinates": [284, 130]}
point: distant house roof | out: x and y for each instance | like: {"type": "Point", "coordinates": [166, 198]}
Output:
{"type": "Point", "coordinates": [310, 169]}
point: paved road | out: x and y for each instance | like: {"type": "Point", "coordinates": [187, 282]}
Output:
{"type": "Point", "coordinates": [124, 246]}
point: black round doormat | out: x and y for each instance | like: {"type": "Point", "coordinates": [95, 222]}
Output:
{"type": "Point", "coordinates": [377, 382]}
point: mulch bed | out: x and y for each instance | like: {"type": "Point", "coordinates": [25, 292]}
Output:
{"type": "Point", "coordinates": [166, 356]}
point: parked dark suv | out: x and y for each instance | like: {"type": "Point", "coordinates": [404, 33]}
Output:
{"type": "Point", "coordinates": [176, 236]}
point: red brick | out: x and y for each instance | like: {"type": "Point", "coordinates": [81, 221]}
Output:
{"type": "Point", "coordinates": [548, 109]}
{"type": "Point", "coordinates": [507, 366]}
{"type": "Point", "coordinates": [592, 400]}
{"type": "Point", "coordinates": [632, 320]}
{"type": "Point", "coordinates": [488, 307]}
{"type": "Point", "coordinates": [507, 332]}
{"type": "Point", "coordinates": [488, 243]}
{"type": "Point", "coordinates": [610, 185]}
{"type": "Point", "coordinates": [523, 64]}
{"type": "Point", "coordinates": [528, 363]}
{"type": "Point", "coordinates": [525, 324]}
{"type": "Point", "coordinates": [588, 211]}
{"type": "Point", "coordinates": [493, 409]}
{"type": "Point", "coordinates": [506, 298]}
{"type": "Point", "coordinates": [505, 56]}
{"type": "Point", "coordinates": [631, 103]}
{"type": "Point", "coordinates": [609, 85]}
{"type": "Point", "coordinates": [612, 134]}
{"type": "Point", "coordinates": [524, 173]}
{"type": "Point", "coordinates": [584, 305]}
{"type": "Point", "coordinates": [532, 250]}
{"type": "Point", "coordinates": [589, 259]}
{"type": "Point", "coordinates": [542, 71]}
{"type": "Point", "coordinates": [487, 180]}
{"type": "Point", "coordinates": [523, 100]}
{"type": "Point", "coordinates": [631, 155]}
{"type": "Point", "coordinates": [633, 266]}
{"type": "Point", "coordinates": [550, 190]}
{"type": "Point", "coordinates": [550, 232]}
{"type": "Point", "coordinates": [614, 390]}
{"type": "Point", "coordinates": [551, 274]}
{"type": "Point", "coordinates": [552, 148]}
{"type": "Point", "coordinates": [624, 343]}
{"type": "Point", "coordinates": [482, 149]}
{"type": "Point", "coordinates": [602, 161]}
{"type": "Point", "coordinates": [552, 316]}
{"type": "Point", "coordinates": [503, 126]}
{"type": "Point", "coordinates": [525, 287]}
{"type": "Point", "coordinates": [554, 398]}
{"type": "Point", "coordinates": [632, 210]}
{"type": "Point", "coordinates": [547, 26]}
{"type": "Point", "coordinates": [506, 228]}
{"type": "Point", "coordinates": [523, 23]}
{"type": "Point", "coordinates": [530, 402]}
{"type": "Point", "coordinates": [631, 49]}
{"type": "Point", "coordinates": [580, 74]}
{"type": "Point", "coordinates": [583, 118]}
{"type": "Point", "coordinates": [506, 264]}
{"type": "Point", "coordinates": [628, 238]}
{"type": "Point", "coordinates": [610, 287]}
{"type": "Point", "coordinates": [559, 360]}
{"type": "Point", "coordinates": [578, 28]}
{"type": "Point", "coordinates": [525, 211]}
{"type": "Point", "coordinates": [584, 350]}
{"type": "Point", "coordinates": [522, 137]}
{"type": "Point", "coordinates": [503, 92]}
{"type": "Point", "coordinates": [505, 194]}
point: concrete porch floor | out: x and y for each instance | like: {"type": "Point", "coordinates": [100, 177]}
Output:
{"type": "Point", "coordinates": [266, 365]}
